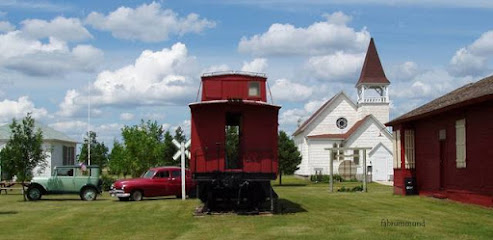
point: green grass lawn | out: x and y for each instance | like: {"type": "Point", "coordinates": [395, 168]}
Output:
{"type": "Point", "coordinates": [315, 214]}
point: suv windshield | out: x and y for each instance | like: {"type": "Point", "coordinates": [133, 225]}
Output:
{"type": "Point", "coordinates": [149, 174]}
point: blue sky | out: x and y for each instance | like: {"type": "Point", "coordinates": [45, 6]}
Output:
{"type": "Point", "coordinates": [143, 59]}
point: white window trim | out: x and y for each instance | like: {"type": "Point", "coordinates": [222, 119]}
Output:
{"type": "Point", "coordinates": [460, 143]}
{"type": "Point", "coordinates": [397, 149]}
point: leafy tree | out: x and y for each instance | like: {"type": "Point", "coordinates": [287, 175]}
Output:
{"type": "Point", "coordinates": [232, 146]}
{"type": "Point", "coordinates": [169, 149]}
{"type": "Point", "coordinates": [143, 145]}
{"type": "Point", "coordinates": [99, 152]}
{"type": "Point", "coordinates": [119, 162]}
{"type": "Point", "coordinates": [288, 155]}
{"type": "Point", "coordinates": [179, 135]}
{"type": "Point", "coordinates": [23, 151]}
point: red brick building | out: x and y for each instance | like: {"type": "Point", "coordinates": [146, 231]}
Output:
{"type": "Point", "coordinates": [446, 146]}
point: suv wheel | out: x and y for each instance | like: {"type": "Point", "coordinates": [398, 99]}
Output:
{"type": "Point", "coordinates": [136, 195]}
{"type": "Point", "coordinates": [34, 193]}
{"type": "Point", "coordinates": [88, 194]}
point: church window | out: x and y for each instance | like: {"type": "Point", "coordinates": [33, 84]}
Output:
{"type": "Point", "coordinates": [341, 123]}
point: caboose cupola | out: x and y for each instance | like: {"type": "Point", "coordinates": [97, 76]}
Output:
{"type": "Point", "coordinates": [233, 85]}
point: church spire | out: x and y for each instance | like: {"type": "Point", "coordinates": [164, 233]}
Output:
{"type": "Point", "coordinates": [372, 71]}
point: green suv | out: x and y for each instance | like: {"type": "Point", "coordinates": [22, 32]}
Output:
{"type": "Point", "coordinates": [72, 179]}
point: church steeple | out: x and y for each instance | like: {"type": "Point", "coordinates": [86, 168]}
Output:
{"type": "Point", "coordinates": [372, 77]}
{"type": "Point", "coordinates": [372, 71]}
{"type": "Point", "coordinates": [373, 87]}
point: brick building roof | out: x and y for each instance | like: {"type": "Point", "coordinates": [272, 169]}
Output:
{"type": "Point", "coordinates": [468, 94]}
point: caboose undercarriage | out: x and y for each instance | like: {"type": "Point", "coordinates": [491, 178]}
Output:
{"type": "Point", "coordinates": [236, 191]}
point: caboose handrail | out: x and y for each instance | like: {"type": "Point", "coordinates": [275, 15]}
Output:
{"type": "Point", "coordinates": [232, 72]}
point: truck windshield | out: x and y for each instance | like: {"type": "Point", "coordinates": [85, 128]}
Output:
{"type": "Point", "coordinates": [148, 174]}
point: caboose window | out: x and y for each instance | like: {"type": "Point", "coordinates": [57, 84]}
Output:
{"type": "Point", "coordinates": [254, 89]}
{"type": "Point", "coordinates": [232, 133]}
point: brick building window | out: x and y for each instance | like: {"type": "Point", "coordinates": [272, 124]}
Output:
{"type": "Point", "coordinates": [460, 143]}
{"type": "Point", "coordinates": [409, 149]}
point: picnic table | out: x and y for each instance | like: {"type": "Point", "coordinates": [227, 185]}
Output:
{"type": "Point", "coordinates": [4, 186]}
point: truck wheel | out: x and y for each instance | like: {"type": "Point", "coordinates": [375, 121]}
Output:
{"type": "Point", "coordinates": [34, 193]}
{"type": "Point", "coordinates": [136, 195]}
{"type": "Point", "coordinates": [88, 194]}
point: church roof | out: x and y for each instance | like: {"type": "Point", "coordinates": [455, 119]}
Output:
{"type": "Point", "coordinates": [48, 133]}
{"type": "Point", "coordinates": [372, 71]}
{"type": "Point", "coordinates": [344, 135]}
{"type": "Point", "coordinates": [352, 130]}
{"type": "Point", "coordinates": [320, 110]}
{"type": "Point", "coordinates": [468, 94]}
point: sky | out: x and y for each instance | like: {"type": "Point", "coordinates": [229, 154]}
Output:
{"type": "Point", "coordinates": [142, 60]}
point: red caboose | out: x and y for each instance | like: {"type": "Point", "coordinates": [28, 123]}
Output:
{"type": "Point", "coordinates": [234, 139]}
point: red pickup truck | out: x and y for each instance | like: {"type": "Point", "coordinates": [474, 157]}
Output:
{"type": "Point", "coordinates": [159, 181]}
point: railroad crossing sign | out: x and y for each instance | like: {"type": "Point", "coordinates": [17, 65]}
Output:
{"type": "Point", "coordinates": [178, 145]}
{"type": "Point", "coordinates": [182, 152]}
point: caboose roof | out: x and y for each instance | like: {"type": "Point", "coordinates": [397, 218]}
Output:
{"type": "Point", "coordinates": [250, 102]}
{"type": "Point", "coordinates": [225, 73]}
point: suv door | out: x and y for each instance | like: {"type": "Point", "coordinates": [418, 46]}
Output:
{"type": "Point", "coordinates": [62, 180]}
{"type": "Point", "coordinates": [81, 178]}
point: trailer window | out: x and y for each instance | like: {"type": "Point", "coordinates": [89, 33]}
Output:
{"type": "Point", "coordinates": [232, 133]}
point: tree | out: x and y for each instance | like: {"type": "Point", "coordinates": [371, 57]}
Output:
{"type": "Point", "coordinates": [119, 162]}
{"type": "Point", "coordinates": [99, 152]}
{"type": "Point", "coordinates": [169, 149]}
{"type": "Point", "coordinates": [179, 135]}
{"type": "Point", "coordinates": [289, 157]}
{"type": "Point", "coordinates": [23, 151]}
{"type": "Point", "coordinates": [143, 145]}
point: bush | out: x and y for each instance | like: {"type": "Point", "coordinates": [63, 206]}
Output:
{"type": "Point", "coordinates": [107, 181]}
{"type": "Point", "coordinates": [325, 178]}
{"type": "Point", "coordinates": [354, 189]}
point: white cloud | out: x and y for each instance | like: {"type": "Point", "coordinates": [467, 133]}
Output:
{"type": "Point", "coordinates": [337, 66]}
{"type": "Point", "coordinates": [77, 130]}
{"type": "Point", "coordinates": [69, 127]}
{"type": "Point", "coordinates": [35, 5]}
{"type": "Point", "coordinates": [403, 72]}
{"type": "Point", "coordinates": [19, 108]}
{"type": "Point", "coordinates": [472, 60]}
{"type": "Point", "coordinates": [6, 26]}
{"type": "Point", "coordinates": [148, 23]}
{"type": "Point", "coordinates": [165, 77]}
{"type": "Point", "coordinates": [319, 38]}
{"type": "Point", "coordinates": [256, 65]}
{"type": "Point", "coordinates": [216, 68]}
{"type": "Point", "coordinates": [20, 50]}
{"type": "Point", "coordinates": [295, 4]}
{"type": "Point", "coordinates": [296, 116]}
{"type": "Point", "coordinates": [285, 90]}
{"type": "Point", "coordinates": [466, 63]}
{"type": "Point", "coordinates": [65, 29]}
{"type": "Point", "coordinates": [127, 116]}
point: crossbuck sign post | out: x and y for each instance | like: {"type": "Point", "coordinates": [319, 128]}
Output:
{"type": "Point", "coordinates": [182, 152]}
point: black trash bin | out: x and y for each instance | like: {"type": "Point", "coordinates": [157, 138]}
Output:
{"type": "Point", "coordinates": [410, 185]}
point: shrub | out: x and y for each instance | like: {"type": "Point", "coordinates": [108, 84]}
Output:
{"type": "Point", "coordinates": [354, 189]}
{"type": "Point", "coordinates": [325, 178]}
{"type": "Point", "coordinates": [107, 181]}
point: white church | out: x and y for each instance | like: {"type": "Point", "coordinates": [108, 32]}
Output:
{"type": "Point", "coordinates": [340, 122]}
